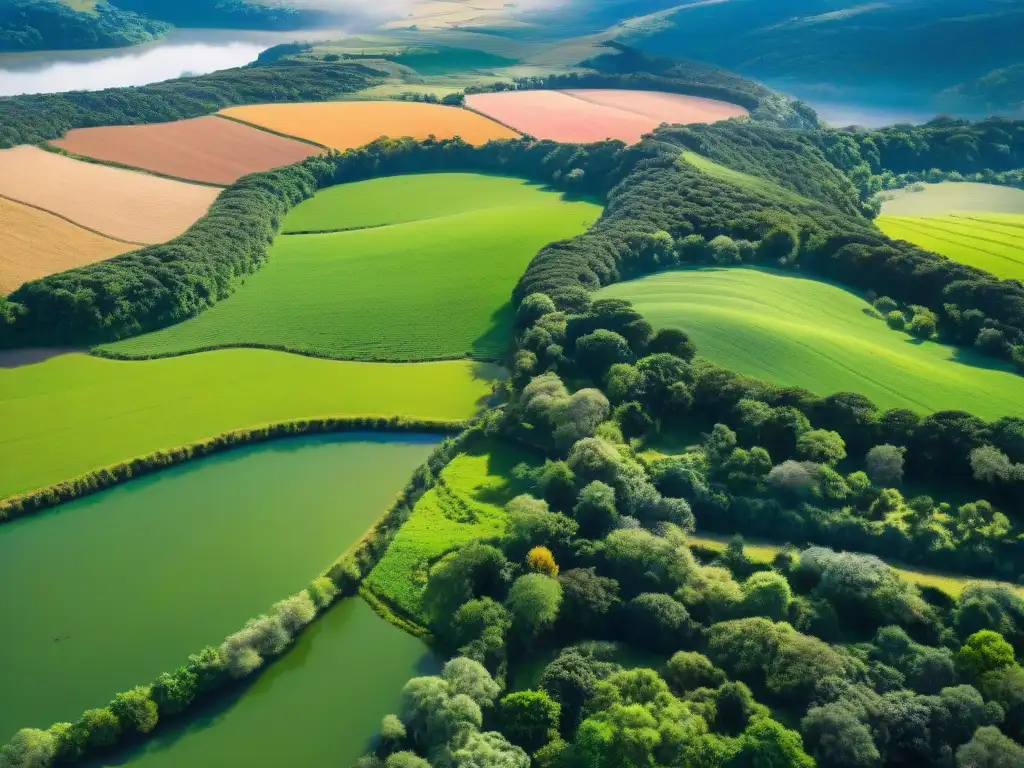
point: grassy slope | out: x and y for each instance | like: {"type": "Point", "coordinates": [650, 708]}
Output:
{"type": "Point", "coordinates": [75, 413]}
{"type": "Point", "coordinates": [800, 332]}
{"type": "Point", "coordinates": [423, 289]}
{"type": "Point", "coordinates": [986, 241]}
{"type": "Point", "coordinates": [764, 552]}
{"type": "Point", "coordinates": [478, 483]}
{"type": "Point", "coordinates": [752, 184]}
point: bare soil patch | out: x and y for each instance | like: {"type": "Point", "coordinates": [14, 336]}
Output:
{"type": "Point", "coordinates": [34, 244]}
{"type": "Point", "coordinates": [129, 206]}
{"type": "Point", "coordinates": [208, 149]}
{"type": "Point", "coordinates": [596, 114]}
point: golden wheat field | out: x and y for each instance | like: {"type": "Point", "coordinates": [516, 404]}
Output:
{"type": "Point", "coordinates": [125, 205]}
{"type": "Point", "coordinates": [348, 124]}
{"type": "Point", "coordinates": [34, 244]}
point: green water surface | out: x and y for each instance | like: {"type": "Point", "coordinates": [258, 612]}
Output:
{"type": "Point", "coordinates": [106, 592]}
{"type": "Point", "coordinates": [318, 706]}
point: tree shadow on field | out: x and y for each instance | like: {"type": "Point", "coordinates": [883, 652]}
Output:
{"type": "Point", "coordinates": [16, 358]}
{"type": "Point", "coordinates": [492, 343]}
{"type": "Point", "coordinates": [973, 358]}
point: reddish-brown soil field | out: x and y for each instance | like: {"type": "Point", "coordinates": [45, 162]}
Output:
{"type": "Point", "coordinates": [594, 115]}
{"type": "Point", "coordinates": [125, 205]}
{"type": "Point", "coordinates": [209, 149]}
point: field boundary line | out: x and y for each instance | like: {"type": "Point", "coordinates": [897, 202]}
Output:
{"type": "Point", "coordinates": [102, 478]}
{"type": "Point", "coordinates": [75, 223]}
{"type": "Point", "coordinates": [98, 351]}
{"type": "Point", "coordinates": [47, 147]}
{"type": "Point", "coordinates": [271, 130]}
{"type": "Point", "coordinates": [494, 120]}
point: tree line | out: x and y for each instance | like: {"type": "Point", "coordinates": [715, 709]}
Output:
{"type": "Point", "coordinates": [40, 117]}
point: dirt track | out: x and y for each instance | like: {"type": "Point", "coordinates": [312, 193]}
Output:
{"type": "Point", "coordinates": [126, 205]}
{"type": "Point", "coordinates": [209, 149]}
{"type": "Point", "coordinates": [596, 114]}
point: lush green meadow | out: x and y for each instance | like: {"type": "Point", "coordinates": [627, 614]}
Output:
{"type": "Point", "coordinates": [800, 332]}
{"type": "Point", "coordinates": [75, 413]}
{"type": "Point", "coordinates": [425, 273]}
{"type": "Point", "coordinates": [966, 197]}
{"type": "Point", "coordinates": [993, 242]}
{"type": "Point", "coordinates": [467, 503]}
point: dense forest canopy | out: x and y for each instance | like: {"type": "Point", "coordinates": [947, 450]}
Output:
{"type": "Point", "coordinates": [31, 25]}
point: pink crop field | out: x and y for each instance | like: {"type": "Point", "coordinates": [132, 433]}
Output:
{"type": "Point", "coordinates": [588, 115]}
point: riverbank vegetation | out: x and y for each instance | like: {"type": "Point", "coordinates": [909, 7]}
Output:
{"type": "Point", "coordinates": [216, 670]}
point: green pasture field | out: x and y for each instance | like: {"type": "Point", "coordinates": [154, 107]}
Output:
{"type": "Point", "coordinates": [795, 331]}
{"type": "Point", "coordinates": [447, 61]}
{"type": "Point", "coordinates": [467, 503]}
{"type": "Point", "coordinates": [75, 413]}
{"type": "Point", "coordinates": [428, 277]}
{"type": "Point", "coordinates": [753, 184]}
{"type": "Point", "coordinates": [967, 197]}
{"type": "Point", "coordinates": [992, 242]}
{"type": "Point", "coordinates": [764, 552]}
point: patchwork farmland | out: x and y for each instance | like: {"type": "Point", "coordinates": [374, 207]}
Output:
{"type": "Point", "coordinates": [125, 205]}
{"type": "Point", "coordinates": [589, 115]}
{"type": "Point", "coordinates": [795, 331]}
{"type": "Point", "coordinates": [34, 243]}
{"type": "Point", "coordinates": [207, 149]}
{"type": "Point", "coordinates": [349, 124]}
{"type": "Point", "coordinates": [424, 272]}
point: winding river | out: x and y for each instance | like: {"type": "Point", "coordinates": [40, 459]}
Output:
{"type": "Point", "coordinates": [106, 592]}
{"type": "Point", "coordinates": [180, 52]}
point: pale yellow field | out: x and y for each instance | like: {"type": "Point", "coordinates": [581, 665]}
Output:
{"type": "Point", "coordinates": [349, 124]}
{"type": "Point", "coordinates": [34, 244]}
{"type": "Point", "coordinates": [125, 205]}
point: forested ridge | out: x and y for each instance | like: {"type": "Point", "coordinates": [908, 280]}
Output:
{"type": "Point", "coordinates": [31, 25]}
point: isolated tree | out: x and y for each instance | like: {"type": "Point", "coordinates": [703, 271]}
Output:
{"type": "Point", "coordinates": [540, 560]}
{"type": "Point", "coordinates": [990, 749]}
{"type": "Point", "coordinates": [688, 670]}
{"type": "Point", "coordinates": [822, 446]}
{"type": "Point", "coordinates": [533, 601]}
{"type": "Point", "coordinates": [529, 718]}
{"type": "Point", "coordinates": [983, 652]}
{"type": "Point", "coordinates": [672, 341]}
{"type": "Point", "coordinates": [884, 465]}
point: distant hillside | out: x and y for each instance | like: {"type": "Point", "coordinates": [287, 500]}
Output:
{"type": "Point", "coordinates": [904, 52]}
{"type": "Point", "coordinates": [32, 25]}
{"type": "Point", "coordinates": [35, 25]}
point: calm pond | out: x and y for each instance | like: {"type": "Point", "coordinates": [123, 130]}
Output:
{"type": "Point", "coordinates": [318, 706]}
{"type": "Point", "coordinates": [181, 52]}
{"type": "Point", "coordinates": [106, 592]}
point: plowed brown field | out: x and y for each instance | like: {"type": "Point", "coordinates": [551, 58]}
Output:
{"type": "Point", "coordinates": [209, 149]}
{"type": "Point", "coordinates": [348, 124]}
{"type": "Point", "coordinates": [121, 204]}
{"type": "Point", "coordinates": [597, 114]}
{"type": "Point", "coordinates": [34, 244]}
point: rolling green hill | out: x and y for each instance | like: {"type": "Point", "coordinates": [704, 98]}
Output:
{"type": "Point", "coordinates": [795, 331]}
{"type": "Point", "coordinates": [434, 284]}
